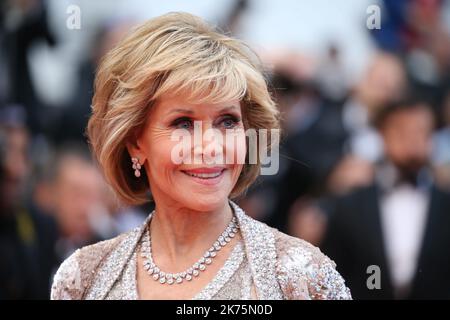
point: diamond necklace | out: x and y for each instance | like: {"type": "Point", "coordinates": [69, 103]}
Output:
{"type": "Point", "coordinates": [170, 278]}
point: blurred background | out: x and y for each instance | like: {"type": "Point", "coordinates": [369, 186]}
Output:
{"type": "Point", "coordinates": [365, 156]}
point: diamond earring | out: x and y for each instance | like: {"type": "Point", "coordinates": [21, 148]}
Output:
{"type": "Point", "coordinates": [136, 166]}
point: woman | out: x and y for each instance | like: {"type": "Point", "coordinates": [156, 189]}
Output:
{"type": "Point", "coordinates": [177, 74]}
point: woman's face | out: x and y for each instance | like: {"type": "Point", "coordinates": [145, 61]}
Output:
{"type": "Point", "coordinates": [178, 149]}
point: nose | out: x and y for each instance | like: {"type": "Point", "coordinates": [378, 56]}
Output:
{"type": "Point", "coordinates": [208, 144]}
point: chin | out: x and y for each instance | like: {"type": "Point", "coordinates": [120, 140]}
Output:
{"type": "Point", "coordinates": [206, 202]}
{"type": "Point", "coordinates": [207, 194]}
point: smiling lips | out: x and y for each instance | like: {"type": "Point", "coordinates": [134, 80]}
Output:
{"type": "Point", "coordinates": [206, 175]}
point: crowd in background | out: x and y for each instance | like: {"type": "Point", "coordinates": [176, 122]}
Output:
{"type": "Point", "coordinates": [364, 165]}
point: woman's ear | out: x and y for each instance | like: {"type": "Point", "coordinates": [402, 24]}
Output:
{"type": "Point", "coordinates": [135, 151]}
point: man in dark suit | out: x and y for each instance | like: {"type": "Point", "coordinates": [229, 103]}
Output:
{"type": "Point", "coordinates": [27, 235]}
{"type": "Point", "coordinates": [391, 240]}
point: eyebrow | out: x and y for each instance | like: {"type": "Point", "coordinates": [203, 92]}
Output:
{"type": "Point", "coordinates": [229, 108]}
{"type": "Point", "coordinates": [189, 111]}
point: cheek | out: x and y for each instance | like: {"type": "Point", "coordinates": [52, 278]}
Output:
{"type": "Point", "coordinates": [158, 153]}
{"type": "Point", "coordinates": [235, 149]}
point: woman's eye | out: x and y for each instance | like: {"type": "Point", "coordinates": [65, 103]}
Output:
{"type": "Point", "coordinates": [183, 123]}
{"type": "Point", "coordinates": [230, 122]}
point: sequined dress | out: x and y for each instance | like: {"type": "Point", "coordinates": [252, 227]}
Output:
{"type": "Point", "coordinates": [264, 264]}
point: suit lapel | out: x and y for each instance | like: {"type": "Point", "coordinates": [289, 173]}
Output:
{"type": "Point", "coordinates": [372, 218]}
{"type": "Point", "coordinates": [427, 245]}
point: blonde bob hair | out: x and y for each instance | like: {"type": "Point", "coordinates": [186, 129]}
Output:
{"type": "Point", "coordinates": [174, 54]}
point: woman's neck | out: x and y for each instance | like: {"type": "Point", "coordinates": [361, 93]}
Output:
{"type": "Point", "coordinates": [180, 232]}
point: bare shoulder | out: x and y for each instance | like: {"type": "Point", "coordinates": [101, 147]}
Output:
{"type": "Point", "coordinates": [304, 272]}
{"type": "Point", "coordinates": [75, 273]}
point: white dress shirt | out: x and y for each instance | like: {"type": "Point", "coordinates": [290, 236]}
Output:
{"type": "Point", "coordinates": [403, 220]}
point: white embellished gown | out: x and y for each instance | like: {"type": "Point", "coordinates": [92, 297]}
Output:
{"type": "Point", "coordinates": [265, 264]}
